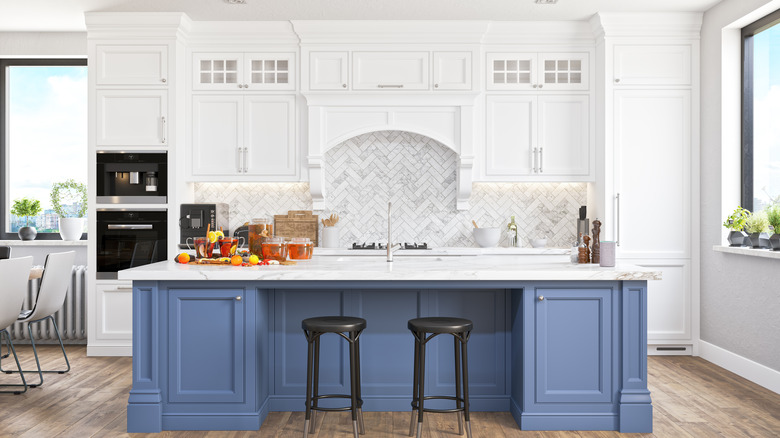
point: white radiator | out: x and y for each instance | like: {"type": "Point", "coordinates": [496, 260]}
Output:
{"type": "Point", "coordinates": [71, 318]}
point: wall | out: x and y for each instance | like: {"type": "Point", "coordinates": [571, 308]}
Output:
{"type": "Point", "coordinates": [740, 305]}
{"type": "Point", "coordinates": [419, 176]}
{"type": "Point", "coordinates": [43, 44]}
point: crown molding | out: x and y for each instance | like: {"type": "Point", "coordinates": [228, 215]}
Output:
{"type": "Point", "coordinates": [137, 24]}
{"type": "Point", "coordinates": [539, 32]}
{"type": "Point", "coordinates": [390, 31]}
{"type": "Point", "coordinates": [650, 24]}
{"type": "Point", "coordinates": [266, 33]}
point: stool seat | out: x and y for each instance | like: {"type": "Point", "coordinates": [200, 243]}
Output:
{"type": "Point", "coordinates": [333, 324]}
{"type": "Point", "coordinates": [438, 324]}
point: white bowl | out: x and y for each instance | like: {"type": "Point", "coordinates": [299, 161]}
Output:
{"type": "Point", "coordinates": [538, 243]}
{"type": "Point", "coordinates": [487, 237]}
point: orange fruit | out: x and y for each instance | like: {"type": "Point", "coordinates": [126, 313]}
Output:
{"type": "Point", "coordinates": [236, 260]}
{"type": "Point", "coordinates": [253, 259]}
{"type": "Point", "coordinates": [183, 258]}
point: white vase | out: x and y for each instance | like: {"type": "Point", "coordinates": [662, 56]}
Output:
{"type": "Point", "coordinates": [71, 228]}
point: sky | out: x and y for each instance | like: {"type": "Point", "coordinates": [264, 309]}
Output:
{"type": "Point", "coordinates": [47, 129]}
{"type": "Point", "coordinates": [766, 116]}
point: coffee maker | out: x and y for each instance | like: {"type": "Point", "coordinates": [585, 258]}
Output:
{"type": "Point", "coordinates": [195, 219]}
{"type": "Point", "coordinates": [132, 178]}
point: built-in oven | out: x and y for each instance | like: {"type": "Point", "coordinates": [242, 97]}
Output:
{"type": "Point", "coordinates": [132, 178]}
{"type": "Point", "coordinates": [129, 238]}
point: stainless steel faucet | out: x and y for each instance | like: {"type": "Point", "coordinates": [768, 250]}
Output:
{"type": "Point", "coordinates": [390, 247]}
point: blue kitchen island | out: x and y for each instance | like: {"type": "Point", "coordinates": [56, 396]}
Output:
{"type": "Point", "coordinates": [561, 346]}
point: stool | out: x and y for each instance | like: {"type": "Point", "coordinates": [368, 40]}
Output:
{"type": "Point", "coordinates": [460, 329]}
{"type": "Point", "coordinates": [313, 328]}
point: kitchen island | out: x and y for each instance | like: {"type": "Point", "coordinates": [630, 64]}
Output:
{"type": "Point", "coordinates": [561, 346]}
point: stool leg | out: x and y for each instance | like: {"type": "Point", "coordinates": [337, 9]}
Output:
{"type": "Point", "coordinates": [457, 384]}
{"type": "Point", "coordinates": [464, 355]}
{"type": "Point", "coordinates": [315, 400]}
{"type": "Point", "coordinates": [415, 384]}
{"type": "Point", "coordinates": [353, 383]}
{"type": "Point", "coordinates": [421, 399]}
{"type": "Point", "coordinates": [308, 387]}
{"type": "Point", "coordinates": [359, 392]}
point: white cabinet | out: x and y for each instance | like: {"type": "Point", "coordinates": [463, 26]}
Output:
{"type": "Point", "coordinates": [390, 70]}
{"type": "Point", "coordinates": [537, 71]}
{"type": "Point", "coordinates": [244, 138]}
{"type": "Point", "coordinates": [537, 138]}
{"type": "Point", "coordinates": [131, 65]}
{"type": "Point", "coordinates": [243, 71]}
{"type": "Point", "coordinates": [328, 70]}
{"type": "Point", "coordinates": [131, 118]}
{"type": "Point", "coordinates": [652, 65]}
{"type": "Point", "coordinates": [669, 316]}
{"type": "Point", "coordinates": [110, 328]}
{"type": "Point", "coordinates": [452, 70]}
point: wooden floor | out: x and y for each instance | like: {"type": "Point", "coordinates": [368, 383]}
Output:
{"type": "Point", "coordinates": [691, 398]}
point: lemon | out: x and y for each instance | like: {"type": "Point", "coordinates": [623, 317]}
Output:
{"type": "Point", "coordinates": [253, 259]}
{"type": "Point", "coordinates": [220, 234]}
{"type": "Point", "coordinates": [212, 236]}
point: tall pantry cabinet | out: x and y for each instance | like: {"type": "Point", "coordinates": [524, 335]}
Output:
{"type": "Point", "coordinates": [647, 189]}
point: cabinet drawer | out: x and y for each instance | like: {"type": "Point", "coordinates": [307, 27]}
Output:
{"type": "Point", "coordinates": [114, 311]}
{"type": "Point", "coordinates": [390, 70]}
{"type": "Point", "coordinates": [652, 65]}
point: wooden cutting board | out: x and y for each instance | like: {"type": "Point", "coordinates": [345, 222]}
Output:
{"type": "Point", "coordinates": [297, 223]}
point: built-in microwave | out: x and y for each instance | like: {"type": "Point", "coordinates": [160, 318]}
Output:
{"type": "Point", "coordinates": [129, 238]}
{"type": "Point", "coordinates": [132, 178]}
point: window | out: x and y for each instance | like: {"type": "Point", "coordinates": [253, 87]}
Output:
{"type": "Point", "coordinates": [761, 113]}
{"type": "Point", "coordinates": [43, 136]}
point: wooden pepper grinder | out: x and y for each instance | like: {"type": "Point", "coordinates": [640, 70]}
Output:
{"type": "Point", "coordinates": [587, 248]}
{"type": "Point", "coordinates": [596, 247]}
{"type": "Point", "coordinates": [582, 256]}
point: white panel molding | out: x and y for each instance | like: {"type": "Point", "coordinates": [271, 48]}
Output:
{"type": "Point", "coordinates": [742, 366]}
{"type": "Point", "coordinates": [390, 31]}
{"type": "Point", "coordinates": [138, 25]}
{"type": "Point", "coordinates": [660, 25]}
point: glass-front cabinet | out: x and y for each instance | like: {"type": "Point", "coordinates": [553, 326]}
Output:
{"type": "Point", "coordinates": [243, 71]}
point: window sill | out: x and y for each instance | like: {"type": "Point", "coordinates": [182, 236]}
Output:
{"type": "Point", "coordinates": [13, 243]}
{"type": "Point", "coordinates": [766, 253]}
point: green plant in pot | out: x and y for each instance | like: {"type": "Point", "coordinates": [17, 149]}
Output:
{"type": "Point", "coordinates": [757, 227]}
{"type": "Point", "coordinates": [69, 201]}
{"type": "Point", "coordinates": [773, 216]}
{"type": "Point", "coordinates": [736, 223]}
{"type": "Point", "coordinates": [26, 207]}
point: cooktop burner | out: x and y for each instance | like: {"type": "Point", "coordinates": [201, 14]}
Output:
{"type": "Point", "coordinates": [378, 245]}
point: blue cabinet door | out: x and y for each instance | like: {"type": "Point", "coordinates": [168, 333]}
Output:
{"type": "Point", "coordinates": [206, 339]}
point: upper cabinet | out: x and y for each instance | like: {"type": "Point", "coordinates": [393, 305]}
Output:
{"type": "Point", "coordinates": [243, 71]}
{"type": "Point", "coordinates": [537, 71]}
{"type": "Point", "coordinates": [328, 70]}
{"type": "Point", "coordinates": [131, 65]}
{"type": "Point", "coordinates": [132, 118]}
{"type": "Point", "coordinates": [390, 70]}
{"type": "Point", "coordinates": [652, 64]}
{"type": "Point", "coordinates": [452, 70]}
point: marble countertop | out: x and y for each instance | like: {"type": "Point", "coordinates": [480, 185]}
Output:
{"type": "Point", "coordinates": [443, 251]}
{"type": "Point", "coordinates": [404, 268]}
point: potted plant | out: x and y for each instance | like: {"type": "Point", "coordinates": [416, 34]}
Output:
{"type": "Point", "coordinates": [736, 223]}
{"type": "Point", "coordinates": [773, 216]}
{"type": "Point", "coordinates": [69, 201]}
{"type": "Point", "coordinates": [26, 207]}
{"type": "Point", "coordinates": [757, 226]}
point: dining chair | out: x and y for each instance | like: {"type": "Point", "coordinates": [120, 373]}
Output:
{"type": "Point", "coordinates": [51, 296]}
{"type": "Point", "coordinates": [5, 252]}
{"type": "Point", "coordinates": [14, 273]}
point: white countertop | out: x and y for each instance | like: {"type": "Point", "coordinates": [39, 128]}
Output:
{"type": "Point", "coordinates": [443, 251]}
{"type": "Point", "coordinates": [42, 242]}
{"type": "Point", "coordinates": [404, 268]}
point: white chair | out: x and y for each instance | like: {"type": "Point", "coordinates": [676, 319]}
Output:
{"type": "Point", "coordinates": [51, 295]}
{"type": "Point", "coordinates": [14, 273]}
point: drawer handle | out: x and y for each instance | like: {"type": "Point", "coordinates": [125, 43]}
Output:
{"type": "Point", "coordinates": [541, 297]}
{"type": "Point", "coordinates": [390, 86]}
{"type": "Point", "coordinates": [238, 298]}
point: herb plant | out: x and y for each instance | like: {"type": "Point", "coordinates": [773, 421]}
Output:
{"type": "Point", "coordinates": [736, 222]}
{"type": "Point", "coordinates": [773, 216]}
{"type": "Point", "coordinates": [757, 223]}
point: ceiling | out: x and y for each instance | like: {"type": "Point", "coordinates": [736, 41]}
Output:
{"type": "Point", "coordinates": [67, 15]}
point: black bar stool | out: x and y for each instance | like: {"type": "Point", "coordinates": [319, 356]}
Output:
{"type": "Point", "coordinates": [313, 328]}
{"type": "Point", "coordinates": [460, 329]}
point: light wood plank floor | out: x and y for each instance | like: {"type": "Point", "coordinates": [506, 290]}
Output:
{"type": "Point", "coordinates": [691, 398]}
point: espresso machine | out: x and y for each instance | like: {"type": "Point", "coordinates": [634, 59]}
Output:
{"type": "Point", "coordinates": [132, 178]}
{"type": "Point", "coordinates": [195, 219]}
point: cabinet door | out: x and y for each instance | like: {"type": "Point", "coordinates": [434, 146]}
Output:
{"type": "Point", "coordinates": [113, 312]}
{"type": "Point", "coordinates": [328, 70]}
{"type": "Point", "coordinates": [269, 71]}
{"type": "Point", "coordinates": [572, 346]}
{"type": "Point", "coordinates": [511, 71]}
{"type": "Point", "coordinates": [564, 139]}
{"type": "Point", "coordinates": [563, 71]}
{"type": "Point", "coordinates": [452, 70]}
{"type": "Point", "coordinates": [652, 65]}
{"type": "Point", "coordinates": [511, 136]}
{"type": "Point", "coordinates": [206, 354]}
{"type": "Point", "coordinates": [390, 70]}
{"type": "Point", "coordinates": [132, 118]}
{"type": "Point", "coordinates": [652, 137]}
{"type": "Point", "coordinates": [131, 65]}
{"type": "Point", "coordinates": [217, 135]}
{"type": "Point", "coordinates": [269, 136]}
{"type": "Point", "coordinates": [669, 306]}
{"type": "Point", "coordinates": [217, 71]}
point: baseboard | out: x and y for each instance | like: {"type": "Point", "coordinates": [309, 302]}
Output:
{"type": "Point", "coordinates": [744, 367]}
{"type": "Point", "coordinates": [109, 350]}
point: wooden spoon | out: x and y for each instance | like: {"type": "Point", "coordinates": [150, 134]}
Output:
{"type": "Point", "coordinates": [475, 223]}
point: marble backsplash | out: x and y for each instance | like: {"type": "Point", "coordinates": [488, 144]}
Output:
{"type": "Point", "coordinates": [418, 175]}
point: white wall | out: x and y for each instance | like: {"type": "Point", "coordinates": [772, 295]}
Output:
{"type": "Point", "coordinates": [740, 303]}
{"type": "Point", "coordinates": [43, 44]}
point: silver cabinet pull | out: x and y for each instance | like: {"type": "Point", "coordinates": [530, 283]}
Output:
{"type": "Point", "coordinates": [617, 222]}
{"type": "Point", "coordinates": [343, 85]}
{"type": "Point", "coordinates": [239, 157]}
{"type": "Point", "coordinates": [390, 86]}
{"type": "Point", "coordinates": [541, 85]}
{"type": "Point", "coordinates": [163, 80]}
{"type": "Point", "coordinates": [130, 227]}
{"type": "Point", "coordinates": [541, 297]}
{"type": "Point", "coordinates": [533, 160]}
{"type": "Point", "coordinates": [246, 160]}
{"type": "Point", "coordinates": [123, 288]}
{"type": "Point", "coordinates": [163, 129]}
{"type": "Point", "coordinates": [617, 80]}
{"type": "Point", "coordinates": [541, 158]}
{"type": "Point", "coordinates": [240, 86]}
{"type": "Point", "coordinates": [238, 298]}
{"type": "Point", "coordinates": [534, 85]}
{"type": "Point", "coordinates": [435, 85]}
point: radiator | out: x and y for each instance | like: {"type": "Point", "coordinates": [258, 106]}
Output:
{"type": "Point", "coordinates": [71, 318]}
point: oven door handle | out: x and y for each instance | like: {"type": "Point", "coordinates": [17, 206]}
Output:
{"type": "Point", "coordinates": [130, 226]}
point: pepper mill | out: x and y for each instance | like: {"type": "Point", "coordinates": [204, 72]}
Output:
{"type": "Point", "coordinates": [596, 246]}
{"type": "Point", "coordinates": [583, 251]}
{"type": "Point", "coordinates": [587, 249]}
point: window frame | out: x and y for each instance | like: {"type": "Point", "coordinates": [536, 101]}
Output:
{"type": "Point", "coordinates": [4, 63]}
{"type": "Point", "coordinates": [763, 23]}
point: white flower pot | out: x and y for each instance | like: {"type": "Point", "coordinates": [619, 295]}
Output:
{"type": "Point", "coordinates": [71, 228]}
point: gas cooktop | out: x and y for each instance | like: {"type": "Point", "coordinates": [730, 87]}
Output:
{"type": "Point", "coordinates": [378, 245]}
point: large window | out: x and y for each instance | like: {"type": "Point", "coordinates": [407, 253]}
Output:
{"type": "Point", "coordinates": [43, 136]}
{"type": "Point", "coordinates": [761, 113]}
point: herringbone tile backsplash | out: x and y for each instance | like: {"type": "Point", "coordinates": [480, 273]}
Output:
{"type": "Point", "coordinates": [419, 176]}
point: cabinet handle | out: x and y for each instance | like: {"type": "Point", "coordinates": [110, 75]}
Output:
{"type": "Point", "coordinates": [617, 222]}
{"type": "Point", "coordinates": [246, 85]}
{"type": "Point", "coordinates": [533, 160]}
{"type": "Point", "coordinates": [246, 160]}
{"type": "Point", "coordinates": [541, 85]}
{"type": "Point", "coordinates": [390, 86]}
{"type": "Point", "coordinates": [240, 157]}
{"type": "Point", "coordinates": [541, 297]}
{"type": "Point", "coordinates": [163, 129]}
{"type": "Point", "coordinates": [238, 298]}
{"type": "Point", "coordinates": [123, 288]}
{"type": "Point", "coordinates": [240, 86]}
{"type": "Point", "coordinates": [343, 85]}
{"type": "Point", "coordinates": [163, 80]}
{"type": "Point", "coordinates": [617, 80]}
{"type": "Point", "coordinates": [541, 160]}
{"type": "Point", "coordinates": [435, 85]}
{"type": "Point", "coordinates": [534, 85]}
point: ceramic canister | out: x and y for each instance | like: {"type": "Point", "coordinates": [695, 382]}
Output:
{"type": "Point", "coordinates": [607, 254]}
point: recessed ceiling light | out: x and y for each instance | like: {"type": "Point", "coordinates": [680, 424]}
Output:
{"type": "Point", "coordinates": [546, 2]}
